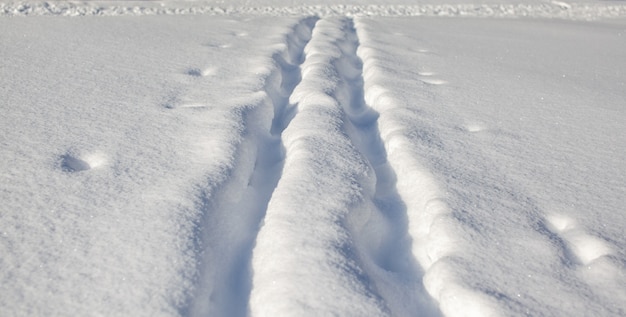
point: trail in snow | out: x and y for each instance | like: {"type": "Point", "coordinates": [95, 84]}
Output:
{"type": "Point", "coordinates": [331, 175]}
{"type": "Point", "coordinates": [335, 237]}
{"type": "Point", "coordinates": [424, 202]}
{"type": "Point", "coordinates": [305, 258]}
{"type": "Point", "coordinates": [381, 223]}
{"type": "Point", "coordinates": [233, 216]}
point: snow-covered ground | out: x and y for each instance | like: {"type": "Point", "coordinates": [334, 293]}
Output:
{"type": "Point", "coordinates": [274, 158]}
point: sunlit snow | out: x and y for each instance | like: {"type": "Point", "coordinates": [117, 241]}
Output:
{"type": "Point", "coordinates": [289, 158]}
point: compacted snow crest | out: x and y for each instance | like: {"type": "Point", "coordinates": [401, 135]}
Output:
{"type": "Point", "coordinates": [554, 9]}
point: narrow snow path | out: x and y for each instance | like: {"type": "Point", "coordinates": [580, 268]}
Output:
{"type": "Point", "coordinates": [233, 216]}
{"type": "Point", "coordinates": [380, 224]}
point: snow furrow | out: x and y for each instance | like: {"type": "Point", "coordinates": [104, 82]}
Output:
{"type": "Point", "coordinates": [232, 216]}
{"type": "Point", "coordinates": [380, 224]}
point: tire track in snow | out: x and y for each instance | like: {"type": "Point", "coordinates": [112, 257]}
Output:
{"type": "Point", "coordinates": [232, 217]}
{"type": "Point", "coordinates": [335, 238]}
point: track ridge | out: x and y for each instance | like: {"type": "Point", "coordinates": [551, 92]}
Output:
{"type": "Point", "coordinates": [428, 215]}
{"type": "Point", "coordinates": [233, 215]}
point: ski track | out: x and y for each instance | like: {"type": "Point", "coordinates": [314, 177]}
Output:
{"type": "Point", "coordinates": [381, 224]}
{"type": "Point", "coordinates": [357, 253]}
{"type": "Point", "coordinates": [319, 272]}
{"type": "Point", "coordinates": [313, 186]}
{"type": "Point", "coordinates": [233, 213]}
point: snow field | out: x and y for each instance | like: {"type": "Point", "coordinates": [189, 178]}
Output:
{"type": "Point", "coordinates": [258, 164]}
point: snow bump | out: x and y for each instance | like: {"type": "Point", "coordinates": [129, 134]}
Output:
{"type": "Point", "coordinates": [73, 161]}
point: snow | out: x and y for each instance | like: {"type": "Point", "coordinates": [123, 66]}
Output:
{"type": "Point", "coordinates": [371, 158]}
{"type": "Point", "coordinates": [512, 138]}
{"type": "Point", "coordinates": [579, 10]}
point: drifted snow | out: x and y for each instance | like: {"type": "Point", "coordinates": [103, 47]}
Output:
{"type": "Point", "coordinates": [247, 164]}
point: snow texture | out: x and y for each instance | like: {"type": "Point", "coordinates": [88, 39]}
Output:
{"type": "Point", "coordinates": [580, 10]}
{"type": "Point", "coordinates": [284, 159]}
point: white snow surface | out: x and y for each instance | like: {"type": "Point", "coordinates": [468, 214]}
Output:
{"type": "Point", "coordinates": [578, 10]}
{"type": "Point", "coordinates": [278, 158]}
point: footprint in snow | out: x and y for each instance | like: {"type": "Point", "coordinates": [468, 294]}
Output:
{"type": "Point", "coordinates": [71, 162]}
{"type": "Point", "coordinates": [474, 127]}
{"type": "Point", "coordinates": [433, 81]}
{"type": "Point", "coordinates": [427, 78]}
{"type": "Point", "coordinates": [217, 45]}
{"type": "Point", "coordinates": [587, 248]}
{"type": "Point", "coordinates": [426, 74]}
{"type": "Point", "coordinates": [186, 105]}
{"type": "Point", "coordinates": [197, 72]}
{"type": "Point", "coordinates": [194, 72]}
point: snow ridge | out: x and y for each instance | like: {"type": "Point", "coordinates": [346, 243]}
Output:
{"type": "Point", "coordinates": [555, 9]}
{"type": "Point", "coordinates": [428, 214]}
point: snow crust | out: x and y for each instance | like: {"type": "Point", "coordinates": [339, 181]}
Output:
{"type": "Point", "coordinates": [239, 160]}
